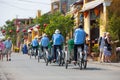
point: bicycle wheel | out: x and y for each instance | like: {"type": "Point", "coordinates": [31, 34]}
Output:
{"type": "Point", "coordinates": [31, 53]}
{"type": "Point", "coordinates": [59, 60]}
{"type": "Point", "coordinates": [85, 64]}
{"type": "Point", "coordinates": [80, 64]}
{"type": "Point", "coordinates": [44, 57]}
{"type": "Point", "coordinates": [66, 65]}
{"type": "Point", "coordinates": [79, 61]}
{"type": "Point", "coordinates": [63, 58]}
{"type": "Point", "coordinates": [38, 57]}
{"type": "Point", "coordinates": [47, 56]}
{"type": "Point", "coordinates": [35, 53]}
{"type": "Point", "coordinates": [47, 62]}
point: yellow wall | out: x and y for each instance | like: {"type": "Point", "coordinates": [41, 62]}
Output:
{"type": "Point", "coordinates": [87, 25]}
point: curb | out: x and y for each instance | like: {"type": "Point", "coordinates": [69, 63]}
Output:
{"type": "Point", "coordinates": [108, 64]}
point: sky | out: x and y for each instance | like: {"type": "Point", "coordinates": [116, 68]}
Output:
{"type": "Point", "coordinates": [10, 9]}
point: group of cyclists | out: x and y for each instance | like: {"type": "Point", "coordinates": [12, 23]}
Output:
{"type": "Point", "coordinates": [57, 42]}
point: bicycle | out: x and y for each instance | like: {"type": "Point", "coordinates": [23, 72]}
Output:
{"type": "Point", "coordinates": [60, 57]}
{"type": "Point", "coordinates": [39, 54]}
{"type": "Point", "coordinates": [81, 58]}
{"type": "Point", "coordinates": [33, 52]}
{"type": "Point", "coordinates": [45, 56]}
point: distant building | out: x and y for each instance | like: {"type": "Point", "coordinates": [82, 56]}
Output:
{"type": "Point", "coordinates": [61, 5]}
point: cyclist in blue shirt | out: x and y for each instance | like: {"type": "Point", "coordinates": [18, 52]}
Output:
{"type": "Point", "coordinates": [58, 40]}
{"type": "Point", "coordinates": [44, 42]}
{"type": "Point", "coordinates": [79, 40]}
{"type": "Point", "coordinates": [35, 44]}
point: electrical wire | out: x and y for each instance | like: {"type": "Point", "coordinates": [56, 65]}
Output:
{"type": "Point", "coordinates": [14, 6]}
{"type": "Point", "coordinates": [34, 2]}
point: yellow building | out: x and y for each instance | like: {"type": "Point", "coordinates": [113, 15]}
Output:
{"type": "Point", "coordinates": [93, 10]}
{"type": "Point", "coordinates": [92, 14]}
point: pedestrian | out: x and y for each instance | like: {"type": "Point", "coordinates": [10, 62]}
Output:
{"type": "Point", "coordinates": [25, 49]}
{"type": "Point", "coordinates": [2, 47]}
{"type": "Point", "coordinates": [101, 43]}
{"type": "Point", "coordinates": [107, 47]}
{"type": "Point", "coordinates": [8, 47]}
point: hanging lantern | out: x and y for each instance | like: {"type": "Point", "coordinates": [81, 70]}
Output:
{"type": "Point", "coordinates": [86, 14]}
{"type": "Point", "coordinates": [45, 25]}
{"type": "Point", "coordinates": [10, 31]}
{"type": "Point", "coordinates": [3, 31]}
{"type": "Point", "coordinates": [31, 28]}
{"type": "Point", "coordinates": [24, 30]}
{"type": "Point", "coordinates": [96, 11]}
{"type": "Point", "coordinates": [17, 31]}
{"type": "Point", "coordinates": [38, 26]}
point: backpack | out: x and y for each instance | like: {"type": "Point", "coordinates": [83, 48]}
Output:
{"type": "Point", "coordinates": [100, 41]}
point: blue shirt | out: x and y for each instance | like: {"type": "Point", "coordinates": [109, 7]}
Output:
{"type": "Point", "coordinates": [8, 44]}
{"type": "Point", "coordinates": [35, 43]}
{"type": "Point", "coordinates": [44, 41]}
{"type": "Point", "coordinates": [79, 36]}
{"type": "Point", "coordinates": [57, 39]}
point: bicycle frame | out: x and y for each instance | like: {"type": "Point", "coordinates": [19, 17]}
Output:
{"type": "Point", "coordinates": [81, 58]}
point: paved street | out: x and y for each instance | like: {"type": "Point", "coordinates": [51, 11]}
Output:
{"type": "Point", "coordinates": [23, 68]}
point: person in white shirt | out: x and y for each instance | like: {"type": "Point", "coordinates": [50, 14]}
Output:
{"type": "Point", "coordinates": [101, 47]}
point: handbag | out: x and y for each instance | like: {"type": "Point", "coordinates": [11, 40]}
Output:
{"type": "Point", "coordinates": [109, 48]}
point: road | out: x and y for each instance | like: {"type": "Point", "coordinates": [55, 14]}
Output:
{"type": "Point", "coordinates": [23, 68]}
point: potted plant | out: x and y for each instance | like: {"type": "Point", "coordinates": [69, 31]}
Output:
{"type": "Point", "coordinates": [95, 50]}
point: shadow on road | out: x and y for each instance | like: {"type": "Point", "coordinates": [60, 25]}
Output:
{"type": "Point", "coordinates": [90, 68]}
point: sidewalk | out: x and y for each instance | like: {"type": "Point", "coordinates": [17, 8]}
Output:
{"type": "Point", "coordinates": [117, 64]}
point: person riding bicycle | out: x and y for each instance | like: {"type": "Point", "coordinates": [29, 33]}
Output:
{"type": "Point", "coordinates": [44, 42]}
{"type": "Point", "coordinates": [58, 40]}
{"type": "Point", "coordinates": [35, 44]}
{"type": "Point", "coordinates": [79, 40]}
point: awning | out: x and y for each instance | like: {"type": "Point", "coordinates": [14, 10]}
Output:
{"type": "Point", "coordinates": [52, 1]}
{"type": "Point", "coordinates": [77, 2]}
{"type": "Point", "coordinates": [91, 5]}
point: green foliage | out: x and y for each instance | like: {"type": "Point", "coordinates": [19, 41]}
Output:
{"type": "Point", "coordinates": [10, 26]}
{"type": "Point", "coordinates": [114, 8]}
{"type": "Point", "coordinates": [55, 21]}
{"type": "Point", "coordinates": [44, 19]}
{"type": "Point", "coordinates": [63, 23]}
{"type": "Point", "coordinates": [114, 27]}
{"type": "Point", "coordinates": [114, 19]}
{"type": "Point", "coordinates": [95, 48]}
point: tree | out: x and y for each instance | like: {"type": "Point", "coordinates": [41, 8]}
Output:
{"type": "Point", "coordinates": [114, 29]}
{"type": "Point", "coordinates": [114, 8]}
{"type": "Point", "coordinates": [44, 19]}
{"type": "Point", "coordinates": [114, 19]}
{"type": "Point", "coordinates": [61, 22]}
{"type": "Point", "coordinates": [10, 30]}
{"type": "Point", "coordinates": [55, 21]}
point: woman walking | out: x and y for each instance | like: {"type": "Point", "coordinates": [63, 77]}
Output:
{"type": "Point", "coordinates": [107, 47]}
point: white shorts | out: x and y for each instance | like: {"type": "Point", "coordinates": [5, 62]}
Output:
{"type": "Point", "coordinates": [101, 50]}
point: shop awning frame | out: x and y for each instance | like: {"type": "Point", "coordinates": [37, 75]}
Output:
{"type": "Point", "coordinates": [91, 5]}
